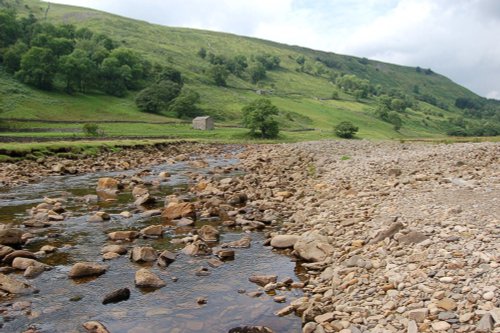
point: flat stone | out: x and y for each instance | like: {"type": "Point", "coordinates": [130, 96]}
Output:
{"type": "Point", "coordinates": [485, 324]}
{"type": "Point", "coordinates": [123, 235]}
{"type": "Point", "coordinates": [116, 296]}
{"type": "Point", "coordinates": [153, 230]}
{"type": "Point", "coordinates": [325, 317]}
{"type": "Point", "coordinates": [412, 327]}
{"type": "Point", "coordinates": [146, 278]}
{"type": "Point", "coordinates": [440, 326]}
{"type": "Point", "coordinates": [262, 280]}
{"type": "Point", "coordinates": [143, 254]}
{"type": "Point", "coordinates": [83, 269]}
{"type": "Point", "coordinates": [447, 304]}
{"type": "Point", "coordinates": [284, 241]}
{"type": "Point", "coordinates": [14, 286]}
{"type": "Point", "coordinates": [419, 315]}
{"type": "Point", "coordinates": [114, 248]}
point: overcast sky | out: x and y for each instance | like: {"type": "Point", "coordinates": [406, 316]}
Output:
{"type": "Point", "coordinates": [456, 38]}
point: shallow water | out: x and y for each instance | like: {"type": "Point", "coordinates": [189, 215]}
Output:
{"type": "Point", "coordinates": [62, 304]}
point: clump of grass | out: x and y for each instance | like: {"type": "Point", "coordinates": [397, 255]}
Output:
{"type": "Point", "coordinates": [345, 158]}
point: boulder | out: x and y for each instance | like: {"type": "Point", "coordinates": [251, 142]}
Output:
{"type": "Point", "coordinates": [14, 286]}
{"type": "Point", "coordinates": [209, 233]}
{"type": "Point", "coordinates": [116, 296]}
{"type": "Point", "coordinates": [147, 279]}
{"type": "Point", "coordinates": [16, 254]}
{"type": "Point", "coordinates": [95, 327]}
{"type": "Point", "coordinates": [243, 242]}
{"type": "Point", "coordinates": [152, 230]}
{"type": "Point", "coordinates": [107, 184]}
{"type": "Point", "coordinates": [123, 235]}
{"type": "Point", "coordinates": [114, 248]}
{"type": "Point", "coordinates": [197, 248]}
{"type": "Point", "coordinates": [5, 250]}
{"type": "Point", "coordinates": [251, 329]}
{"type": "Point", "coordinates": [165, 258]}
{"type": "Point", "coordinates": [11, 237]}
{"type": "Point", "coordinates": [262, 280]}
{"type": "Point", "coordinates": [178, 210]}
{"type": "Point", "coordinates": [23, 263]}
{"type": "Point", "coordinates": [284, 241]}
{"type": "Point", "coordinates": [313, 246]}
{"type": "Point", "coordinates": [83, 269]}
{"type": "Point", "coordinates": [33, 271]}
{"type": "Point", "coordinates": [99, 217]}
{"type": "Point", "coordinates": [143, 254]}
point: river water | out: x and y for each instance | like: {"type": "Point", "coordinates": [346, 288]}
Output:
{"type": "Point", "coordinates": [62, 304]}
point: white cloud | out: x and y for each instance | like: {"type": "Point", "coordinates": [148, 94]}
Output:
{"type": "Point", "coordinates": [457, 38]}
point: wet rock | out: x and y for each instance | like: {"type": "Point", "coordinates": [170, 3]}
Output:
{"type": "Point", "coordinates": [262, 280]}
{"type": "Point", "coordinates": [208, 233]}
{"type": "Point", "coordinates": [184, 222]}
{"type": "Point", "coordinates": [152, 230]}
{"type": "Point", "coordinates": [178, 210]}
{"type": "Point", "coordinates": [143, 254]}
{"type": "Point", "coordinates": [251, 329]}
{"type": "Point", "coordinates": [197, 248]}
{"type": "Point", "coordinates": [279, 299]}
{"type": "Point", "coordinates": [313, 246]}
{"type": "Point", "coordinates": [5, 250]}
{"type": "Point", "coordinates": [23, 263]}
{"type": "Point", "coordinates": [123, 235]}
{"type": "Point", "coordinates": [83, 269]}
{"type": "Point", "coordinates": [215, 263]}
{"type": "Point", "coordinates": [202, 271]}
{"type": "Point", "coordinates": [114, 248]}
{"type": "Point", "coordinates": [147, 279]}
{"type": "Point", "coordinates": [110, 256]}
{"type": "Point", "coordinates": [284, 241]}
{"type": "Point", "coordinates": [48, 249]}
{"type": "Point", "coordinates": [11, 237]}
{"type": "Point", "coordinates": [14, 286]}
{"type": "Point", "coordinates": [95, 327]}
{"type": "Point", "coordinates": [225, 254]}
{"type": "Point", "coordinates": [34, 271]}
{"type": "Point", "coordinates": [285, 311]}
{"type": "Point", "coordinates": [116, 296]}
{"type": "Point", "coordinates": [99, 217]}
{"type": "Point", "coordinates": [201, 300]}
{"type": "Point", "coordinates": [18, 254]}
{"type": "Point", "coordinates": [166, 258]}
{"type": "Point", "coordinates": [107, 184]}
{"type": "Point", "coordinates": [244, 242]}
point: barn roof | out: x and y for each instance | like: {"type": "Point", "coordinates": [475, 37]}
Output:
{"type": "Point", "coordinates": [202, 118]}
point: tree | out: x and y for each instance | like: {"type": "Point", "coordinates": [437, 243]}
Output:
{"type": "Point", "coordinates": [300, 60]}
{"type": "Point", "coordinates": [38, 67]}
{"type": "Point", "coordinates": [258, 116]}
{"type": "Point", "coordinates": [394, 118]}
{"type": "Point", "coordinates": [184, 106]}
{"type": "Point", "coordinates": [9, 28]}
{"type": "Point", "coordinates": [170, 74]}
{"type": "Point", "coordinates": [113, 76]}
{"type": "Point", "coordinates": [219, 74]}
{"type": "Point", "coordinates": [202, 53]}
{"type": "Point", "coordinates": [157, 97]}
{"type": "Point", "coordinates": [345, 130]}
{"type": "Point", "coordinates": [257, 72]}
{"type": "Point", "coordinates": [13, 55]}
{"type": "Point", "coordinates": [78, 70]}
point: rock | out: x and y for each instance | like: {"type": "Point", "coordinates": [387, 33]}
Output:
{"type": "Point", "coordinates": [251, 329]}
{"type": "Point", "coordinates": [215, 263]}
{"type": "Point", "coordinates": [447, 303]}
{"type": "Point", "coordinates": [11, 237]}
{"type": "Point", "coordinates": [279, 299]}
{"type": "Point", "coordinates": [412, 327]}
{"type": "Point", "coordinates": [285, 311]}
{"type": "Point", "coordinates": [485, 324]}
{"type": "Point", "coordinates": [284, 241]}
{"type": "Point", "coordinates": [83, 269]}
{"type": "Point", "coordinates": [110, 256]}
{"type": "Point", "coordinates": [95, 327]}
{"type": "Point", "coordinates": [33, 271]}
{"type": "Point", "coordinates": [116, 296]}
{"type": "Point", "coordinates": [197, 248]}
{"type": "Point", "coordinates": [440, 326]}
{"type": "Point", "coordinates": [225, 254]}
{"type": "Point", "coordinates": [114, 248]}
{"type": "Point", "coordinates": [107, 184]}
{"type": "Point", "coordinates": [48, 249]}
{"type": "Point", "coordinates": [466, 317]}
{"type": "Point", "coordinates": [14, 286]}
{"type": "Point", "coordinates": [153, 230]}
{"type": "Point", "coordinates": [123, 235]}
{"type": "Point", "coordinates": [166, 258]}
{"type": "Point", "coordinates": [145, 199]}
{"type": "Point", "coordinates": [143, 254]}
{"type": "Point", "coordinates": [178, 210]}
{"type": "Point", "coordinates": [489, 295]}
{"type": "Point", "coordinates": [262, 280]}
{"type": "Point", "coordinates": [147, 279]}
{"type": "Point", "coordinates": [184, 222]}
{"type": "Point", "coordinates": [208, 233]}
{"type": "Point", "coordinates": [237, 199]}
{"type": "Point", "coordinates": [313, 246]}
{"type": "Point", "coordinates": [244, 242]}
{"type": "Point", "coordinates": [99, 217]}
{"type": "Point", "coordinates": [23, 263]}
{"type": "Point", "coordinates": [309, 327]}
{"type": "Point", "coordinates": [126, 214]}
{"type": "Point", "coordinates": [419, 315]}
{"type": "Point", "coordinates": [389, 232]}
{"type": "Point", "coordinates": [201, 300]}
{"type": "Point", "coordinates": [5, 250]}
{"type": "Point", "coordinates": [413, 237]}
{"type": "Point", "coordinates": [18, 254]}
{"type": "Point", "coordinates": [325, 317]}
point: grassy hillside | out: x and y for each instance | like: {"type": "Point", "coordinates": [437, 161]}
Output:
{"type": "Point", "coordinates": [303, 95]}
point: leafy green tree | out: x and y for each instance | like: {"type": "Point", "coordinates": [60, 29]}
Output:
{"type": "Point", "coordinates": [300, 60]}
{"type": "Point", "coordinates": [136, 66]}
{"type": "Point", "coordinates": [258, 116]}
{"type": "Point", "coordinates": [78, 70]}
{"type": "Point", "coordinates": [184, 106]}
{"type": "Point", "coordinates": [157, 96]}
{"type": "Point", "coordinates": [202, 53]}
{"type": "Point", "coordinates": [9, 28]}
{"type": "Point", "coordinates": [90, 129]}
{"type": "Point", "coordinates": [170, 74]}
{"type": "Point", "coordinates": [113, 77]}
{"type": "Point", "coordinates": [394, 118]}
{"type": "Point", "coordinates": [270, 62]}
{"type": "Point", "coordinates": [397, 105]}
{"type": "Point", "coordinates": [257, 72]}
{"type": "Point", "coordinates": [219, 75]}
{"type": "Point", "coordinates": [13, 55]}
{"type": "Point", "coordinates": [38, 68]}
{"type": "Point", "coordinates": [345, 130]}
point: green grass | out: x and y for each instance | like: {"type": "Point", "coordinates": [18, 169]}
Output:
{"type": "Point", "coordinates": [302, 98]}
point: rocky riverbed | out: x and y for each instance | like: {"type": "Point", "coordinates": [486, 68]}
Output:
{"type": "Point", "coordinates": [387, 237]}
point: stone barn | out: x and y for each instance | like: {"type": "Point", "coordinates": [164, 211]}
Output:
{"type": "Point", "coordinates": [205, 123]}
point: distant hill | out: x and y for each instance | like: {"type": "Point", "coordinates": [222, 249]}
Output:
{"type": "Point", "coordinates": [313, 89]}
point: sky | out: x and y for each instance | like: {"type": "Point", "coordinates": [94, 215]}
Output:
{"type": "Point", "coordinates": [456, 38]}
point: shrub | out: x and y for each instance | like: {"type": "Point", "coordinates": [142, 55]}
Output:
{"type": "Point", "coordinates": [345, 130]}
{"type": "Point", "coordinates": [91, 129]}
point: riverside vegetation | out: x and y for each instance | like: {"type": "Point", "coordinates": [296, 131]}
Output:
{"type": "Point", "coordinates": [153, 77]}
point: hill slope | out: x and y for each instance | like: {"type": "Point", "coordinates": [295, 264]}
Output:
{"type": "Point", "coordinates": [302, 91]}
